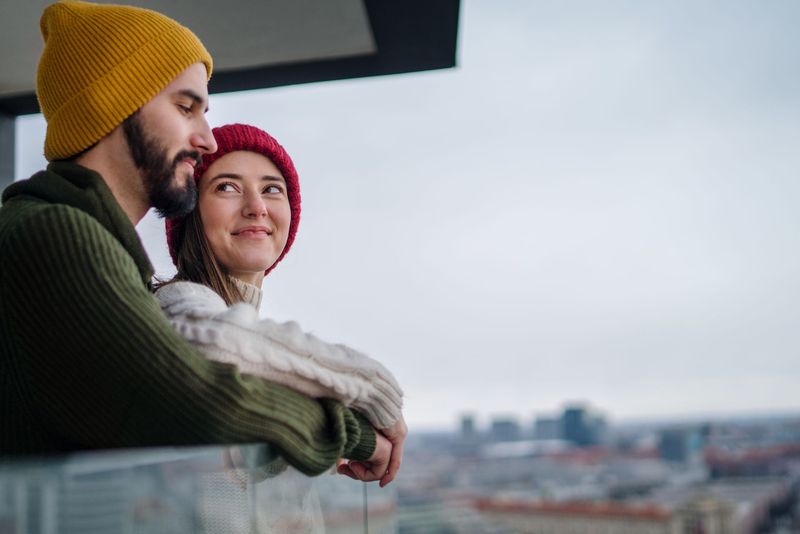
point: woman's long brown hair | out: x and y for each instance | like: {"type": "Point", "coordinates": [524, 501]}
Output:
{"type": "Point", "coordinates": [197, 263]}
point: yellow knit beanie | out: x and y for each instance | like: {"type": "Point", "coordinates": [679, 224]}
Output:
{"type": "Point", "coordinates": [100, 64]}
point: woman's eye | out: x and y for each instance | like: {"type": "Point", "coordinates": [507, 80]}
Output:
{"type": "Point", "coordinates": [273, 189]}
{"type": "Point", "coordinates": [226, 187]}
{"type": "Point", "coordinates": [184, 109]}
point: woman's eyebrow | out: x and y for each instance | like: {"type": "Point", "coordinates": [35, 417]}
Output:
{"type": "Point", "coordinates": [226, 175]}
{"type": "Point", "coordinates": [236, 176]}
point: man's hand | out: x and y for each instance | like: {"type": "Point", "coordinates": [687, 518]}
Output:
{"type": "Point", "coordinates": [375, 468]}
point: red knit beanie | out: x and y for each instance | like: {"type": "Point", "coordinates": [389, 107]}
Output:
{"type": "Point", "coordinates": [231, 138]}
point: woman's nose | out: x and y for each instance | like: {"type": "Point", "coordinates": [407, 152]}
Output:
{"type": "Point", "coordinates": [254, 205]}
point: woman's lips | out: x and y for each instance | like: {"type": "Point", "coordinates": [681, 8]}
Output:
{"type": "Point", "coordinates": [252, 232]}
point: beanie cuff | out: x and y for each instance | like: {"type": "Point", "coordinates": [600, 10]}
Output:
{"type": "Point", "coordinates": [94, 112]}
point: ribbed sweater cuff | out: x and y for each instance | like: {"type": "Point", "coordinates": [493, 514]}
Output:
{"type": "Point", "coordinates": [365, 447]}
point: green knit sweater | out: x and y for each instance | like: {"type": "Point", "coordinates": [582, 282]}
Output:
{"type": "Point", "coordinates": [88, 361]}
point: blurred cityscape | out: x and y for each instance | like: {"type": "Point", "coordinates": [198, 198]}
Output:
{"type": "Point", "coordinates": [573, 471]}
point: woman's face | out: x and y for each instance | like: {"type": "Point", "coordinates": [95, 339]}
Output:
{"type": "Point", "coordinates": [245, 211]}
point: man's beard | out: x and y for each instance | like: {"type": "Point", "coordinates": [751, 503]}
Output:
{"type": "Point", "coordinates": [150, 157]}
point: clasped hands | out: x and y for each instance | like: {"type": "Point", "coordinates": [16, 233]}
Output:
{"type": "Point", "coordinates": [385, 461]}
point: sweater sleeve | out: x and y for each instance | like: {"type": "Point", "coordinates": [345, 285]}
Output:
{"type": "Point", "coordinates": [281, 352]}
{"type": "Point", "coordinates": [106, 368]}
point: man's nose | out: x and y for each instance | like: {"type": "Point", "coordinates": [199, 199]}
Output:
{"type": "Point", "coordinates": [203, 139]}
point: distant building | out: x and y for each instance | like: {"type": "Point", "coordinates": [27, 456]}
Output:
{"type": "Point", "coordinates": [468, 430]}
{"type": "Point", "coordinates": [598, 429]}
{"type": "Point", "coordinates": [738, 506]}
{"type": "Point", "coordinates": [582, 428]}
{"type": "Point", "coordinates": [575, 424]}
{"type": "Point", "coordinates": [707, 516]}
{"type": "Point", "coordinates": [680, 444]}
{"type": "Point", "coordinates": [547, 428]}
{"type": "Point", "coordinates": [751, 462]}
{"type": "Point", "coordinates": [571, 517]}
{"type": "Point", "coordinates": [505, 429]}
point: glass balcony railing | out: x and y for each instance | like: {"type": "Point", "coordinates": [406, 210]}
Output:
{"type": "Point", "coordinates": [236, 489]}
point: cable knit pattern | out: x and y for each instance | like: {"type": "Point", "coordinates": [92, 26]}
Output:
{"type": "Point", "coordinates": [281, 352]}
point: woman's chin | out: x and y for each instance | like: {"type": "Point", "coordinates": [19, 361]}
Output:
{"type": "Point", "coordinates": [254, 269]}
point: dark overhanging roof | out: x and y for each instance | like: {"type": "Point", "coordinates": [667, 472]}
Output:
{"type": "Point", "coordinates": [408, 35]}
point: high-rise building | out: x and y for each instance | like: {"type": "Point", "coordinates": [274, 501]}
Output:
{"type": "Point", "coordinates": [575, 423]}
{"type": "Point", "coordinates": [680, 444]}
{"type": "Point", "coordinates": [468, 430]}
{"type": "Point", "coordinates": [581, 427]}
{"type": "Point", "coordinates": [505, 429]}
{"type": "Point", "coordinates": [547, 428]}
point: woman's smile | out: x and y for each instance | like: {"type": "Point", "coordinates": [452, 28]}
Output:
{"type": "Point", "coordinates": [245, 211]}
{"type": "Point", "coordinates": [252, 232]}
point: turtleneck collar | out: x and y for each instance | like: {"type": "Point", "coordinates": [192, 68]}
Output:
{"type": "Point", "coordinates": [250, 293]}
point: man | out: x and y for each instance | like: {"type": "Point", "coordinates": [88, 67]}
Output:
{"type": "Point", "coordinates": [87, 360]}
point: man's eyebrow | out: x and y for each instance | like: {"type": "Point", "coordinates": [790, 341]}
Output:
{"type": "Point", "coordinates": [196, 98]}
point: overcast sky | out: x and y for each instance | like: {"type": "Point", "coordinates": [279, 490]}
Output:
{"type": "Point", "coordinates": [598, 204]}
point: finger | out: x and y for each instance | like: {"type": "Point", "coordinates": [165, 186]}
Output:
{"type": "Point", "coordinates": [359, 469]}
{"type": "Point", "coordinates": [345, 470]}
{"type": "Point", "coordinates": [394, 464]}
{"type": "Point", "coordinates": [366, 472]}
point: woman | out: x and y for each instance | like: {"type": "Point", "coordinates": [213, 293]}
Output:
{"type": "Point", "coordinates": [244, 224]}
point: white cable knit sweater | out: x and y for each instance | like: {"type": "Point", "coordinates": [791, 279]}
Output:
{"type": "Point", "coordinates": [280, 352]}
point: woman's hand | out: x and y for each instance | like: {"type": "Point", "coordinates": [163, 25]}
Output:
{"type": "Point", "coordinates": [385, 461]}
{"type": "Point", "coordinates": [375, 468]}
{"type": "Point", "coordinates": [396, 434]}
